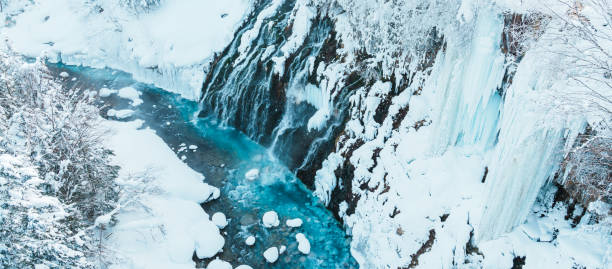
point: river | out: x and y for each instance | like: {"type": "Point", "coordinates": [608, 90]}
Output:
{"type": "Point", "coordinates": [223, 156]}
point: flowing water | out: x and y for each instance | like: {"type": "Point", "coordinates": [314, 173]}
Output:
{"type": "Point", "coordinates": [223, 156]}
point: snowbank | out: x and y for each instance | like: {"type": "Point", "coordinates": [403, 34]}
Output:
{"type": "Point", "coordinates": [168, 46]}
{"type": "Point", "coordinates": [167, 224]}
{"type": "Point", "coordinates": [219, 264]}
{"type": "Point", "coordinates": [219, 220]}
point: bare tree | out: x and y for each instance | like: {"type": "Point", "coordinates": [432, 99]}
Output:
{"type": "Point", "coordinates": [580, 39]}
{"type": "Point", "coordinates": [584, 42]}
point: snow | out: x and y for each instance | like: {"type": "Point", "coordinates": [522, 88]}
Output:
{"type": "Point", "coordinates": [103, 220]}
{"type": "Point", "coordinates": [64, 74]}
{"type": "Point", "coordinates": [270, 219]}
{"type": "Point", "coordinates": [250, 240]}
{"type": "Point", "coordinates": [586, 244]}
{"type": "Point", "coordinates": [120, 114]}
{"type": "Point", "coordinates": [252, 174]}
{"type": "Point", "coordinates": [219, 264]}
{"type": "Point", "coordinates": [170, 224]}
{"type": "Point", "coordinates": [271, 254]}
{"type": "Point", "coordinates": [106, 92]}
{"type": "Point", "coordinates": [244, 267]}
{"type": "Point", "coordinates": [132, 94]}
{"type": "Point", "coordinates": [297, 222]}
{"type": "Point", "coordinates": [219, 220]}
{"type": "Point", "coordinates": [303, 243]}
{"type": "Point", "coordinates": [282, 249]}
{"type": "Point", "coordinates": [208, 240]}
{"type": "Point", "coordinates": [147, 45]}
{"type": "Point", "coordinates": [193, 147]}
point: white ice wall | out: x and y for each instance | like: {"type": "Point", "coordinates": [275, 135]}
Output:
{"type": "Point", "coordinates": [423, 173]}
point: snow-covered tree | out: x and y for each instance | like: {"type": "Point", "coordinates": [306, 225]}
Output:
{"type": "Point", "coordinates": [50, 212]}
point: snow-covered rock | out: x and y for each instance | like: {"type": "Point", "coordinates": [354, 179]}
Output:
{"type": "Point", "coordinates": [303, 243]}
{"type": "Point", "coordinates": [106, 92]}
{"type": "Point", "coordinates": [244, 267]}
{"type": "Point", "coordinates": [219, 264]}
{"type": "Point", "coordinates": [250, 240]}
{"type": "Point", "coordinates": [64, 74]}
{"type": "Point", "coordinates": [120, 114]}
{"type": "Point", "coordinates": [282, 249]}
{"type": "Point", "coordinates": [270, 219]}
{"type": "Point", "coordinates": [297, 222]}
{"type": "Point", "coordinates": [219, 219]}
{"type": "Point", "coordinates": [271, 254]}
{"type": "Point", "coordinates": [132, 94]}
{"type": "Point", "coordinates": [252, 174]}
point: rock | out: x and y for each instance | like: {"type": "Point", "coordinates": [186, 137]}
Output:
{"type": "Point", "coordinates": [248, 219]}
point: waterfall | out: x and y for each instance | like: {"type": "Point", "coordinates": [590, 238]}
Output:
{"type": "Point", "coordinates": [265, 85]}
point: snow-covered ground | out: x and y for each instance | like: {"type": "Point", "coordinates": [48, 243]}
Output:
{"type": "Point", "coordinates": [169, 45]}
{"type": "Point", "coordinates": [163, 223]}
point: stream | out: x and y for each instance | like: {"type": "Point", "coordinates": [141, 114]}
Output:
{"type": "Point", "coordinates": [223, 155]}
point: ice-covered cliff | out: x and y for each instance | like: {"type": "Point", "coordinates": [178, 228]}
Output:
{"type": "Point", "coordinates": [431, 127]}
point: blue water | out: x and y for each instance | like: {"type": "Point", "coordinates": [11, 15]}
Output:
{"type": "Point", "coordinates": [224, 155]}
